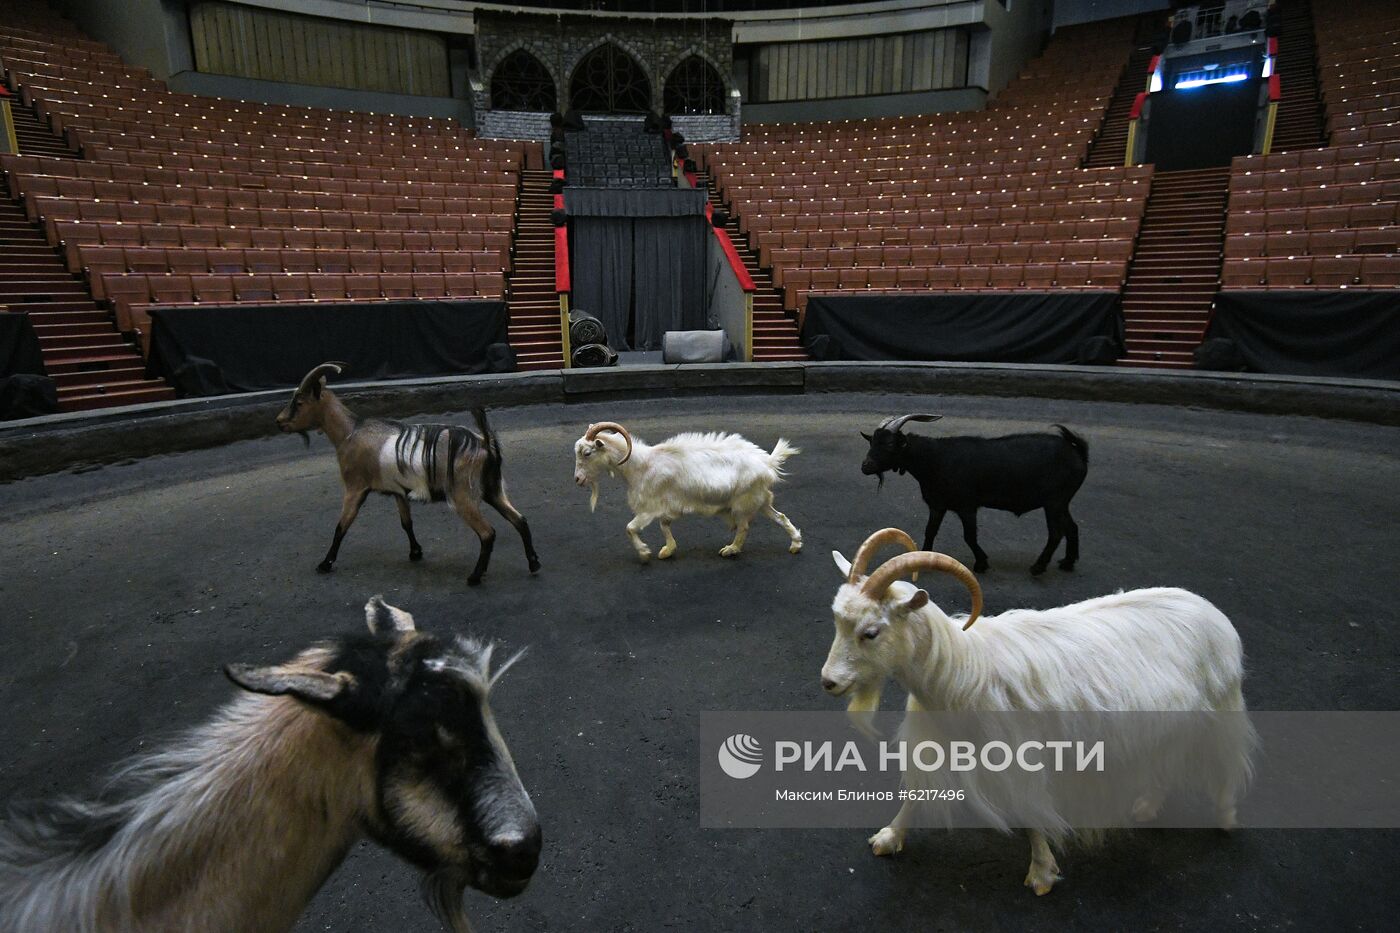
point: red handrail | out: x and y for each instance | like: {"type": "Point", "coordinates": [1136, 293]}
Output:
{"type": "Point", "coordinates": [562, 282]}
{"type": "Point", "coordinates": [741, 272]}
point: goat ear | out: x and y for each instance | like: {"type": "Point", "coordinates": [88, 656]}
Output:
{"type": "Point", "coordinates": [314, 686]}
{"type": "Point", "coordinates": [842, 564]}
{"type": "Point", "coordinates": [383, 618]}
{"type": "Point", "coordinates": [317, 386]}
{"type": "Point", "coordinates": [867, 437]}
{"type": "Point", "coordinates": [597, 444]}
{"type": "Point", "coordinates": [918, 601]}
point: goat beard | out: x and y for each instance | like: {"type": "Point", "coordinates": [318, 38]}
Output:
{"type": "Point", "coordinates": [593, 497]}
{"type": "Point", "coordinates": [305, 438]}
{"type": "Point", "coordinates": [863, 705]}
{"type": "Point", "coordinates": [443, 890]}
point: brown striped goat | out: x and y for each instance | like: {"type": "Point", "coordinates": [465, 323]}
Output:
{"type": "Point", "coordinates": [233, 828]}
{"type": "Point", "coordinates": [423, 462]}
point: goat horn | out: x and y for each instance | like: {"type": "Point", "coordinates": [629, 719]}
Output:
{"type": "Point", "coordinates": [872, 544]}
{"type": "Point", "coordinates": [612, 427]}
{"type": "Point", "coordinates": [895, 423]}
{"type": "Point", "coordinates": [325, 369]}
{"type": "Point", "coordinates": [896, 567]}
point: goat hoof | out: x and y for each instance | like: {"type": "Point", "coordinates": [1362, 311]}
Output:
{"type": "Point", "coordinates": [795, 547]}
{"type": "Point", "coordinates": [415, 554]}
{"type": "Point", "coordinates": [1066, 564]}
{"type": "Point", "coordinates": [665, 552]}
{"type": "Point", "coordinates": [729, 550]}
{"type": "Point", "coordinates": [888, 841]}
{"type": "Point", "coordinates": [473, 581]}
{"type": "Point", "coordinates": [325, 566]}
{"type": "Point", "coordinates": [981, 567]}
{"type": "Point", "coordinates": [534, 565]}
{"type": "Point", "coordinates": [1041, 881]}
{"type": "Point", "coordinates": [644, 555]}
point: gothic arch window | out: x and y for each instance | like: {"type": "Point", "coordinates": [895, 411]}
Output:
{"type": "Point", "coordinates": [608, 80]}
{"type": "Point", "coordinates": [694, 86]}
{"type": "Point", "coordinates": [521, 82]}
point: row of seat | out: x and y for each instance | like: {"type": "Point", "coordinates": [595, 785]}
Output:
{"type": "Point", "coordinates": [1344, 173]}
{"type": "Point", "coordinates": [54, 210]}
{"type": "Point", "coordinates": [769, 201]}
{"type": "Point", "coordinates": [96, 261]}
{"type": "Point", "coordinates": [959, 180]}
{"type": "Point", "coordinates": [1090, 230]}
{"type": "Point", "coordinates": [38, 190]}
{"type": "Point", "coordinates": [1380, 271]}
{"type": "Point", "coordinates": [404, 169]}
{"type": "Point", "coordinates": [468, 183]}
{"type": "Point", "coordinates": [799, 283]}
{"type": "Point", "coordinates": [986, 254]}
{"type": "Point", "coordinates": [1276, 199]}
{"type": "Point", "coordinates": [350, 155]}
{"type": "Point", "coordinates": [1314, 243]}
{"type": "Point", "coordinates": [1340, 217]}
{"type": "Point", "coordinates": [72, 236]}
{"type": "Point", "coordinates": [1053, 215]}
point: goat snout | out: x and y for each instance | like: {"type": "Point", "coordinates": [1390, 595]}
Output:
{"type": "Point", "coordinates": [834, 687]}
{"type": "Point", "coordinates": [515, 855]}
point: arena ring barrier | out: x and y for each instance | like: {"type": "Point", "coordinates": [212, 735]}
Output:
{"type": "Point", "coordinates": [35, 446]}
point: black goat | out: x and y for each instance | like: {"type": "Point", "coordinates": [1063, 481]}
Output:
{"type": "Point", "coordinates": [1018, 473]}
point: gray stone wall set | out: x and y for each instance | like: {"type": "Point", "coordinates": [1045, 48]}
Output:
{"type": "Point", "coordinates": [560, 42]}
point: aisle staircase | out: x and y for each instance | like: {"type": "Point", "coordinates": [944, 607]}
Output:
{"type": "Point", "coordinates": [533, 303]}
{"type": "Point", "coordinates": [1299, 124]}
{"type": "Point", "coordinates": [1175, 271]}
{"type": "Point", "coordinates": [775, 337]}
{"type": "Point", "coordinates": [1110, 145]}
{"type": "Point", "coordinates": [91, 363]}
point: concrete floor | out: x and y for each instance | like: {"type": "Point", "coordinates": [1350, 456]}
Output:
{"type": "Point", "coordinates": [126, 588]}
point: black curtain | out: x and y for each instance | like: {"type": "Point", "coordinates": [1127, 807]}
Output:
{"type": "Point", "coordinates": [1021, 327]}
{"type": "Point", "coordinates": [669, 255]}
{"type": "Point", "coordinates": [638, 259]}
{"type": "Point", "coordinates": [1312, 332]}
{"type": "Point", "coordinates": [19, 346]}
{"type": "Point", "coordinates": [600, 252]}
{"type": "Point", "coordinates": [238, 348]}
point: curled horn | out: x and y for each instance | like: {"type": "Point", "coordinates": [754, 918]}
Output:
{"type": "Point", "coordinates": [613, 427]}
{"type": "Point", "coordinates": [872, 544]}
{"type": "Point", "coordinates": [325, 369]}
{"type": "Point", "coordinates": [896, 567]}
{"type": "Point", "coordinates": [895, 423]}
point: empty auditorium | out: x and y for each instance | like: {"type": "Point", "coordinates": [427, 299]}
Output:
{"type": "Point", "coordinates": [643, 287]}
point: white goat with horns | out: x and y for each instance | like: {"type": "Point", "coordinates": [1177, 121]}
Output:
{"type": "Point", "coordinates": [689, 474]}
{"type": "Point", "coordinates": [234, 827]}
{"type": "Point", "coordinates": [1148, 650]}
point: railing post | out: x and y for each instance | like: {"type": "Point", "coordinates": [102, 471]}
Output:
{"type": "Point", "coordinates": [8, 142]}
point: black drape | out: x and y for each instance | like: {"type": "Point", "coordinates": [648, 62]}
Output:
{"type": "Point", "coordinates": [639, 255]}
{"type": "Point", "coordinates": [600, 253]}
{"type": "Point", "coordinates": [669, 255]}
{"type": "Point", "coordinates": [19, 346]}
{"type": "Point", "coordinates": [254, 348]}
{"type": "Point", "coordinates": [1021, 327]}
{"type": "Point", "coordinates": [1314, 332]}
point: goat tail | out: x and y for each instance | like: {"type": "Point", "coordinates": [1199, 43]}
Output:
{"type": "Point", "coordinates": [491, 477]}
{"type": "Point", "coordinates": [1075, 441]}
{"type": "Point", "coordinates": [781, 451]}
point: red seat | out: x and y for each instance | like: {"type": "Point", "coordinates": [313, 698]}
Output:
{"type": "Point", "coordinates": [212, 289]}
{"type": "Point", "coordinates": [252, 288]}
{"type": "Point", "coordinates": [396, 285]}
{"type": "Point", "coordinates": [291, 286]}
{"type": "Point", "coordinates": [362, 287]}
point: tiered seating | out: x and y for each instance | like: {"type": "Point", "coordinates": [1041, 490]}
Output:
{"type": "Point", "coordinates": [186, 199]}
{"type": "Point", "coordinates": [988, 200]}
{"type": "Point", "coordinates": [1329, 218]}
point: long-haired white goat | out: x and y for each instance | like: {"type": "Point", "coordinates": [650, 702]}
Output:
{"type": "Point", "coordinates": [689, 474]}
{"type": "Point", "coordinates": [1150, 650]}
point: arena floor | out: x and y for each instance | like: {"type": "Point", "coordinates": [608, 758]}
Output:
{"type": "Point", "coordinates": [126, 588]}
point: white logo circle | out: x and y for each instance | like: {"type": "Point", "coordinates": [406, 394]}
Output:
{"type": "Point", "coordinates": [740, 756]}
